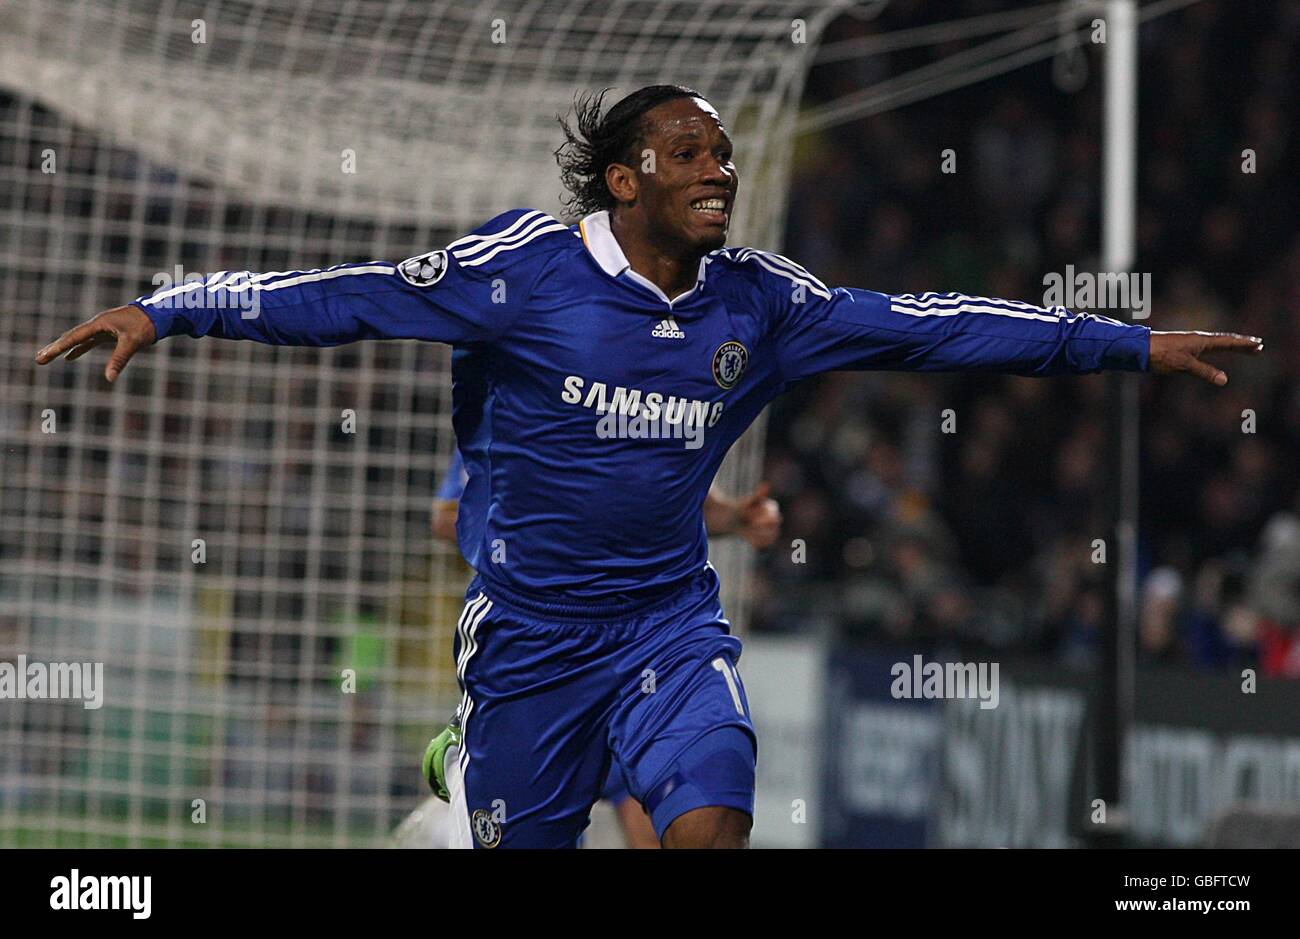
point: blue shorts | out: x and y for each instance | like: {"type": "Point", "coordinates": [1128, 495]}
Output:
{"type": "Point", "coordinates": [556, 706]}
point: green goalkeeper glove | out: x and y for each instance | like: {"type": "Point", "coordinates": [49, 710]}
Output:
{"type": "Point", "coordinates": [435, 772]}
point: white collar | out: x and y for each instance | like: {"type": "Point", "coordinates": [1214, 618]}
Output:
{"type": "Point", "coordinates": [604, 247]}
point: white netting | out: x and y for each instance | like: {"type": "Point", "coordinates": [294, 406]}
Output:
{"type": "Point", "coordinates": [126, 147]}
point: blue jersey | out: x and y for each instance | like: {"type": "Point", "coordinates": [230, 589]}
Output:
{"type": "Point", "coordinates": [592, 411]}
{"type": "Point", "coordinates": [453, 483]}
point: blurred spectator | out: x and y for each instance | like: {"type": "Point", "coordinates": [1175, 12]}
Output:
{"type": "Point", "coordinates": [987, 533]}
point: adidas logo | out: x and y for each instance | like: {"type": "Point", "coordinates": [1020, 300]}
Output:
{"type": "Point", "coordinates": [668, 329]}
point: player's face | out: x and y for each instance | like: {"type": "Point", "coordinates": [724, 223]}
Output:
{"type": "Point", "coordinates": [692, 190]}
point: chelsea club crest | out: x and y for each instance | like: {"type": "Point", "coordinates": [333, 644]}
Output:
{"type": "Point", "coordinates": [729, 363]}
{"type": "Point", "coordinates": [486, 828]}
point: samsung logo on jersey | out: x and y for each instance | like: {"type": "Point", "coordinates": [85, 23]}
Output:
{"type": "Point", "coordinates": [633, 402]}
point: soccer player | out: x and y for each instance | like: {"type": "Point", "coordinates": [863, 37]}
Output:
{"type": "Point", "coordinates": [601, 372]}
{"type": "Point", "coordinates": [754, 517]}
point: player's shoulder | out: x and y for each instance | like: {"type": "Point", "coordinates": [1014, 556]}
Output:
{"type": "Point", "coordinates": [513, 237]}
{"type": "Point", "coordinates": [767, 270]}
{"type": "Point", "coordinates": [510, 241]}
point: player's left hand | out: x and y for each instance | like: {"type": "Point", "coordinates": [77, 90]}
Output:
{"type": "Point", "coordinates": [1181, 352]}
{"type": "Point", "coordinates": [759, 517]}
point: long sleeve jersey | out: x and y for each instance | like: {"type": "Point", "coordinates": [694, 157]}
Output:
{"type": "Point", "coordinates": [592, 412]}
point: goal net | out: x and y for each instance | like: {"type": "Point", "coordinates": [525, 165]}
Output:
{"type": "Point", "coordinates": [240, 534]}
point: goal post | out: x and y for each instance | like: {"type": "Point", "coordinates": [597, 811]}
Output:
{"type": "Point", "coordinates": [239, 534]}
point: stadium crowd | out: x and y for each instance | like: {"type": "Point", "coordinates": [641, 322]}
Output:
{"type": "Point", "coordinates": [985, 536]}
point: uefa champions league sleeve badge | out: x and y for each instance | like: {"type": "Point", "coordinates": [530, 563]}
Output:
{"type": "Point", "coordinates": [424, 270]}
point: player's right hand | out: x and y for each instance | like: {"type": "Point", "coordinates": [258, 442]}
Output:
{"type": "Point", "coordinates": [127, 326]}
{"type": "Point", "coordinates": [435, 758]}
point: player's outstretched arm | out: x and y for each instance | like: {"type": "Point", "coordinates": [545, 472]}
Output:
{"type": "Point", "coordinates": [818, 329]}
{"type": "Point", "coordinates": [433, 297]}
{"type": "Point", "coordinates": [326, 307]}
{"type": "Point", "coordinates": [127, 327]}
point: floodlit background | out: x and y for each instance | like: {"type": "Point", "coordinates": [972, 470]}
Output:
{"type": "Point", "coordinates": [128, 147]}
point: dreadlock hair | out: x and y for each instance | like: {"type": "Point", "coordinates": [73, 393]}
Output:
{"type": "Point", "coordinates": [600, 141]}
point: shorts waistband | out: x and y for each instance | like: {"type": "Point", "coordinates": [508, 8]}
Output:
{"type": "Point", "coordinates": [618, 607]}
